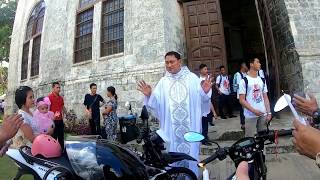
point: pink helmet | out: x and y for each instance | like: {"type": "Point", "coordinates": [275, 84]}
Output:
{"type": "Point", "coordinates": [46, 146]}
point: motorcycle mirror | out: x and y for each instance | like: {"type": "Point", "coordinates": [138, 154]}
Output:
{"type": "Point", "coordinates": [282, 103]}
{"type": "Point", "coordinates": [144, 113]}
{"type": "Point", "coordinates": [193, 137]}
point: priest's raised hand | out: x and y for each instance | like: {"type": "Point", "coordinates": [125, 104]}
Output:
{"type": "Point", "coordinates": [144, 88]}
{"type": "Point", "coordinates": [206, 84]}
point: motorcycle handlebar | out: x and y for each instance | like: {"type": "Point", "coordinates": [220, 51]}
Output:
{"type": "Point", "coordinates": [285, 132]}
{"type": "Point", "coordinates": [208, 160]}
{"type": "Point", "coordinates": [273, 134]}
{"type": "Point", "coordinates": [221, 152]}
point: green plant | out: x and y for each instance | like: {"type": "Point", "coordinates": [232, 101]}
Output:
{"type": "Point", "coordinates": [8, 169]}
{"type": "Point", "coordinates": [74, 125]}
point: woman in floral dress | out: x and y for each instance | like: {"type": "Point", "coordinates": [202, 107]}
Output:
{"type": "Point", "coordinates": [110, 114]}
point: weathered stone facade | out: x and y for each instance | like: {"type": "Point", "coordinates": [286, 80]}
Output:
{"type": "Point", "coordinates": [296, 30]}
{"type": "Point", "coordinates": [150, 29]}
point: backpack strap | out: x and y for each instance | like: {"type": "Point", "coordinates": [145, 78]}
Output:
{"type": "Point", "coordinates": [246, 85]}
{"type": "Point", "coordinates": [264, 83]}
{"type": "Point", "coordinates": [241, 75]}
{"type": "Point", "coordinates": [220, 80]}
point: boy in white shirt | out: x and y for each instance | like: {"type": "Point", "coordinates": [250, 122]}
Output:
{"type": "Point", "coordinates": [223, 87]}
{"type": "Point", "coordinates": [206, 118]}
{"type": "Point", "coordinates": [236, 81]}
{"type": "Point", "coordinates": [253, 97]}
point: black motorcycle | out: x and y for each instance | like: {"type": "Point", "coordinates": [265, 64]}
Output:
{"type": "Point", "coordinates": [86, 157]}
{"type": "Point", "coordinates": [154, 154]}
{"type": "Point", "coordinates": [248, 149]}
{"type": "Point", "coordinates": [90, 157]}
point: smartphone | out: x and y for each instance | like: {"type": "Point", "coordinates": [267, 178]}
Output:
{"type": "Point", "coordinates": [289, 98]}
{"type": "Point", "coordinates": [4, 148]}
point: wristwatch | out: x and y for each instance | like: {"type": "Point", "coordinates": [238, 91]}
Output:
{"type": "Point", "coordinates": [318, 159]}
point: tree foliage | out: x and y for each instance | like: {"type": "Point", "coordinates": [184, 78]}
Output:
{"type": "Point", "coordinates": [7, 14]}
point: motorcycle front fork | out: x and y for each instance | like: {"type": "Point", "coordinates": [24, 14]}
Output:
{"type": "Point", "coordinates": [258, 168]}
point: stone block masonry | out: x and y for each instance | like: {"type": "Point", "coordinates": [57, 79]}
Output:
{"type": "Point", "coordinates": [151, 28]}
{"type": "Point", "coordinates": [296, 31]}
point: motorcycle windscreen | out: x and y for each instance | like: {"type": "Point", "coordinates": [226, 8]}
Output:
{"type": "Point", "coordinates": [82, 157]}
{"type": "Point", "coordinates": [119, 162]}
{"type": "Point", "coordinates": [104, 160]}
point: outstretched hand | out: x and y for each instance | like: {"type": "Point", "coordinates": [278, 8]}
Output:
{"type": "Point", "coordinates": [144, 88]}
{"type": "Point", "coordinates": [304, 105]}
{"type": "Point", "coordinates": [10, 126]}
{"type": "Point", "coordinates": [206, 84]}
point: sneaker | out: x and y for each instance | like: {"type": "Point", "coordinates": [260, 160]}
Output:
{"type": "Point", "coordinates": [223, 117]}
{"type": "Point", "coordinates": [232, 116]}
{"type": "Point", "coordinates": [211, 124]}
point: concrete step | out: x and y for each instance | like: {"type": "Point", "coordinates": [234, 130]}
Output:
{"type": "Point", "coordinates": [229, 129]}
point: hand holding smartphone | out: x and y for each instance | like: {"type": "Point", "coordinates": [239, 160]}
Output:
{"type": "Point", "coordinates": [5, 147]}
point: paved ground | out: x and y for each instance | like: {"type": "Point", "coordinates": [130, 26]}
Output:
{"type": "Point", "coordinates": [288, 166]}
{"type": "Point", "coordinates": [229, 129]}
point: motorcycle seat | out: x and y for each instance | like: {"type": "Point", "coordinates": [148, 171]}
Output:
{"type": "Point", "coordinates": [63, 160]}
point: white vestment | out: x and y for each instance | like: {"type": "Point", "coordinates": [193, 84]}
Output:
{"type": "Point", "coordinates": [179, 102]}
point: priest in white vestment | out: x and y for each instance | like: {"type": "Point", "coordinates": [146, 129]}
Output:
{"type": "Point", "coordinates": [179, 100]}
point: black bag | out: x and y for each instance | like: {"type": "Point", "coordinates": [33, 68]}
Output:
{"type": "Point", "coordinates": [128, 129]}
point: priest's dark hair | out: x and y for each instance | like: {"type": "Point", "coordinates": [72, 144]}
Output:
{"type": "Point", "coordinates": [173, 53]}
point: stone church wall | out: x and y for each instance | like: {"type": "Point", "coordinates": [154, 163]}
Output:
{"type": "Point", "coordinates": [151, 28]}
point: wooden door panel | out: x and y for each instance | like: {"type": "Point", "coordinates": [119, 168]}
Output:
{"type": "Point", "coordinates": [205, 52]}
{"type": "Point", "coordinates": [205, 37]}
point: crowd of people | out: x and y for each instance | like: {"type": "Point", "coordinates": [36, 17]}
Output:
{"type": "Point", "coordinates": [251, 91]}
{"type": "Point", "coordinates": [45, 115]}
{"type": "Point", "coordinates": [181, 101]}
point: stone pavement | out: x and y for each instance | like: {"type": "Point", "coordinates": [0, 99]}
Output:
{"type": "Point", "coordinates": [227, 131]}
{"type": "Point", "coordinates": [287, 165]}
